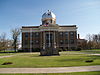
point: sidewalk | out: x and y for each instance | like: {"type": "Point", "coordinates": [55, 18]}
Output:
{"type": "Point", "coordinates": [51, 70]}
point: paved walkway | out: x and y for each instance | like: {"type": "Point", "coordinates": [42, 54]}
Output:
{"type": "Point", "coordinates": [36, 53]}
{"type": "Point", "coordinates": [14, 55]}
{"type": "Point", "coordinates": [6, 56]}
{"type": "Point", "coordinates": [51, 70]}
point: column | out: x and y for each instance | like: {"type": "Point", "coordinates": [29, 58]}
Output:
{"type": "Point", "coordinates": [44, 40]}
{"type": "Point", "coordinates": [54, 40]}
{"type": "Point", "coordinates": [68, 40]}
{"type": "Point", "coordinates": [30, 39]}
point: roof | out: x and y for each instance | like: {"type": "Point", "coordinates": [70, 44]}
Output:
{"type": "Point", "coordinates": [30, 26]}
{"type": "Point", "coordinates": [49, 15]}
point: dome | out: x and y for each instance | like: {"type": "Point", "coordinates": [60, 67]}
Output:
{"type": "Point", "coordinates": [48, 15]}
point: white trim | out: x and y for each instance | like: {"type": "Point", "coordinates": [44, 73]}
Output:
{"type": "Point", "coordinates": [49, 29]}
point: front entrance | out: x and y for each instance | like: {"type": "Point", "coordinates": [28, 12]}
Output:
{"type": "Point", "coordinates": [49, 40]}
{"type": "Point", "coordinates": [49, 44]}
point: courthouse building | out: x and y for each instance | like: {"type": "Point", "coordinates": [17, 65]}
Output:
{"type": "Point", "coordinates": [49, 37]}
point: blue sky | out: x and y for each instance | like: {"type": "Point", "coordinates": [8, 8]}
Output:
{"type": "Point", "coordinates": [84, 13]}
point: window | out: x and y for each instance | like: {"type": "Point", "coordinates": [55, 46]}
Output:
{"type": "Point", "coordinates": [61, 34]}
{"type": "Point", "coordinates": [61, 41]}
{"type": "Point", "coordinates": [37, 42]}
{"type": "Point", "coordinates": [48, 14]}
{"type": "Point", "coordinates": [51, 21]}
{"type": "Point", "coordinates": [66, 41]}
{"type": "Point", "coordinates": [66, 34]}
{"type": "Point", "coordinates": [71, 34]}
{"type": "Point", "coordinates": [72, 41]}
{"type": "Point", "coordinates": [26, 35]}
{"type": "Point", "coordinates": [33, 42]}
{"type": "Point", "coordinates": [26, 42]}
{"type": "Point", "coordinates": [43, 22]}
{"type": "Point", "coordinates": [36, 34]}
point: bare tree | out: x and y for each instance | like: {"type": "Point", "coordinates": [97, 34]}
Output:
{"type": "Point", "coordinates": [96, 40]}
{"type": "Point", "coordinates": [89, 41]}
{"type": "Point", "coordinates": [15, 36]}
{"type": "Point", "coordinates": [93, 41]}
{"type": "Point", "coordinates": [3, 42]}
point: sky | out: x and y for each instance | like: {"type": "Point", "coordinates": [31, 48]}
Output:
{"type": "Point", "coordinates": [83, 13]}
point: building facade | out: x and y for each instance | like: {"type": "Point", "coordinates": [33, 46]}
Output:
{"type": "Point", "coordinates": [81, 43]}
{"type": "Point", "coordinates": [49, 37]}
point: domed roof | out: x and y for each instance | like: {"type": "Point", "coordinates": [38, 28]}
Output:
{"type": "Point", "coordinates": [48, 14]}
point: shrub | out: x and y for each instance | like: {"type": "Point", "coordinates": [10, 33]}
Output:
{"type": "Point", "coordinates": [78, 49]}
{"type": "Point", "coordinates": [60, 50]}
{"type": "Point", "coordinates": [7, 63]}
{"type": "Point", "coordinates": [20, 50]}
{"type": "Point", "coordinates": [36, 50]}
{"type": "Point", "coordinates": [89, 61]}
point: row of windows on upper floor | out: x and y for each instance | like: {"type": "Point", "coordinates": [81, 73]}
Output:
{"type": "Point", "coordinates": [66, 41]}
{"type": "Point", "coordinates": [36, 34]}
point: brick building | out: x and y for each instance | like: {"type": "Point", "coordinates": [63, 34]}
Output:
{"type": "Point", "coordinates": [49, 37]}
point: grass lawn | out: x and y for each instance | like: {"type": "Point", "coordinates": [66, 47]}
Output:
{"type": "Point", "coordinates": [6, 54]}
{"type": "Point", "coordinates": [91, 51]}
{"type": "Point", "coordinates": [30, 60]}
{"type": "Point", "coordinates": [74, 73]}
{"type": "Point", "coordinates": [7, 51]}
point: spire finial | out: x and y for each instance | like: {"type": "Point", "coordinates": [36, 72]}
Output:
{"type": "Point", "coordinates": [48, 10]}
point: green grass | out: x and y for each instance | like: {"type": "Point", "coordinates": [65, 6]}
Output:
{"type": "Point", "coordinates": [95, 49]}
{"type": "Point", "coordinates": [91, 51]}
{"type": "Point", "coordinates": [6, 54]}
{"type": "Point", "coordinates": [74, 73]}
{"type": "Point", "coordinates": [7, 51]}
{"type": "Point", "coordinates": [31, 60]}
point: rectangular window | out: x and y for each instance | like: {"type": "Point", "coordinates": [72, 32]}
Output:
{"type": "Point", "coordinates": [61, 42]}
{"type": "Point", "coordinates": [37, 42]}
{"type": "Point", "coordinates": [66, 41]}
{"type": "Point", "coordinates": [61, 34]}
{"type": "Point", "coordinates": [72, 35]}
{"type": "Point", "coordinates": [36, 34]}
{"type": "Point", "coordinates": [26, 42]}
{"type": "Point", "coordinates": [51, 21]}
{"type": "Point", "coordinates": [66, 34]}
{"type": "Point", "coordinates": [26, 35]}
{"type": "Point", "coordinates": [72, 41]}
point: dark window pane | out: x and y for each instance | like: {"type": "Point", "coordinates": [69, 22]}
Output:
{"type": "Point", "coordinates": [26, 34]}
{"type": "Point", "coordinates": [72, 41]}
{"type": "Point", "coordinates": [61, 42]}
{"type": "Point", "coordinates": [66, 34]}
{"type": "Point", "coordinates": [72, 35]}
{"type": "Point", "coordinates": [66, 41]}
{"type": "Point", "coordinates": [36, 34]}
